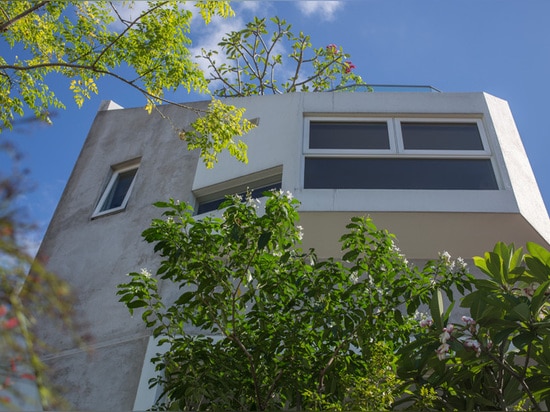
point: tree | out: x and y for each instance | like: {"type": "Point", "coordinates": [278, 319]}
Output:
{"type": "Point", "coordinates": [86, 41]}
{"type": "Point", "coordinates": [252, 62]}
{"type": "Point", "coordinates": [499, 357]}
{"type": "Point", "coordinates": [80, 40]}
{"type": "Point", "coordinates": [278, 328]}
{"type": "Point", "coordinates": [27, 291]}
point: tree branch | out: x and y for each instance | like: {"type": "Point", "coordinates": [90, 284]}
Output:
{"type": "Point", "coordinates": [73, 66]}
{"type": "Point", "coordinates": [518, 377]}
{"type": "Point", "coordinates": [6, 25]}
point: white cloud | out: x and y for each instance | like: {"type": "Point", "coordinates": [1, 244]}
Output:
{"type": "Point", "coordinates": [208, 37]}
{"type": "Point", "coordinates": [249, 6]}
{"type": "Point", "coordinates": [325, 10]}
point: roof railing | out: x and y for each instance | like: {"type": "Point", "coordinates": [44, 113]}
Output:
{"type": "Point", "coordinates": [387, 88]}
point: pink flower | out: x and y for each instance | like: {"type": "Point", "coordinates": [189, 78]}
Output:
{"type": "Point", "coordinates": [426, 323]}
{"type": "Point", "coordinates": [348, 66]}
{"type": "Point", "coordinates": [468, 320]}
{"type": "Point", "coordinates": [475, 345]}
{"type": "Point", "coordinates": [332, 48]}
{"type": "Point", "coordinates": [10, 323]}
{"type": "Point", "coordinates": [28, 376]}
{"type": "Point", "coordinates": [3, 310]}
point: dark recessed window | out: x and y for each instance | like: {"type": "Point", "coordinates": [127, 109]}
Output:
{"type": "Point", "coordinates": [116, 194]}
{"type": "Point", "coordinates": [441, 136]}
{"type": "Point", "coordinates": [399, 173]}
{"type": "Point", "coordinates": [119, 190]}
{"type": "Point", "coordinates": [348, 135]}
{"type": "Point", "coordinates": [255, 193]}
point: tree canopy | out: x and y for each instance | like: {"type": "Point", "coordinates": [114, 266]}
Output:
{"type": "Point", "coordinates": [87, 41]}
{"type": "Point", "coordinates": [277, 327]}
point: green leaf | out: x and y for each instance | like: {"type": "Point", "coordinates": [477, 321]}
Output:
{"type": "Point", "coordinates": [264, 240]}
{"type": "Point", "coordinates": [437, 309]}
{"type": "Point", "coordinates": [538, 252]}
{"type": "Point", "coordinates": [537, 268]}
{"type": "Point", "coordinates": [523, 339]}
{"type": "Point", "coordinates": [520, 312]}
{"type": "Point", "coordinates": [539, 297]}
{"type": "Point", "coordinates": [136, 304]}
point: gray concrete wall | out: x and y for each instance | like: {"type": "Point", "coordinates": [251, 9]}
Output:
{"type": "Point", "coordinates": [94, 255]}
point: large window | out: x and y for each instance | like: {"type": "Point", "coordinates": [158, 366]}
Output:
{"type": "Point", "coordinates": [116, 194]}
{"type": "Point", "coordinates": [397, 153]}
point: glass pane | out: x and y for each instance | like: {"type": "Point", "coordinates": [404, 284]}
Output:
{"type": "Point", "coordinates": [441, 136]}
{"type": "Point", "coordinates": [394, 173]}
{"type": "Point", "coordinates": [119, 190]}
{"type": "Point", "coordinates": [348, 135]}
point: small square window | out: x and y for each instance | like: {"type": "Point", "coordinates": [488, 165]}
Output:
{"type": "Point", "coordinates": [116, 194]}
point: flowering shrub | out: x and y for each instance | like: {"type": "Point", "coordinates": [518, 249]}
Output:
{"type": "Point", "coordinates": [498, 357]}
{"type": "Point", "coordinates": [292, 331]}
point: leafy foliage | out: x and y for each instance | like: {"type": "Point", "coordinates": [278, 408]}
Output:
{"type": "Point", "coordinates": [499, 357]}
{"type": "Point", "coordinates": [27, 291]}
{"type": "Point", "coordinates": [85, 41]}
{"type": "Point", "coordinates": [252, 62]}
{"type": "Point", "coordinates": [261, 324]}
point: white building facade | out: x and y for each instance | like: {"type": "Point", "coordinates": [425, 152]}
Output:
{"type": "Point", "coordinates": [443, 171]}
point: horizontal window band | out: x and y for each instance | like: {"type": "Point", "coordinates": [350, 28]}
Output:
{"type": "Point", "coordinates": [399, 173]}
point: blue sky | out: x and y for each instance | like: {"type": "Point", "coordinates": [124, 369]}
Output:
{"type": "Point", "coordinates": [497, 46]}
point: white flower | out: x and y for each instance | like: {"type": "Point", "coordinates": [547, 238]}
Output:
{"type": "Point", "coordinates": [145, 273]}
{"type": "Point", "coordinates": [353, 277]}
{"type": "Point", "coordinates": [300, 232]}
{"type": "Point", "coordinates": [461, 263]}
{"type": "Point", "coordinates": [442, 351]}
{"type": "Point", "coordinates": [288, 195]}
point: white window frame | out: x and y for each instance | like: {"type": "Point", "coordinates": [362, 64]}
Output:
{"type": "Point", "coordinates": [343, 152]}
{"type": "Point", "coordinates": [396, 137]}
{"type": "Point", "coordinates": [486, 152]}
{"type": "Point", "coordinates": [115, 172]}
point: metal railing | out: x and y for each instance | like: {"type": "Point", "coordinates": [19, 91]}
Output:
{"type": "Point", "coordinates": [387, 88]}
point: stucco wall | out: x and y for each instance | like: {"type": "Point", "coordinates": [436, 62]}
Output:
{"type": "Point", "coordinates": [95, 254]}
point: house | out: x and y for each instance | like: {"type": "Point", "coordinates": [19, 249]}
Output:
{"type": "Point", "coordinates": [443, 171]}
